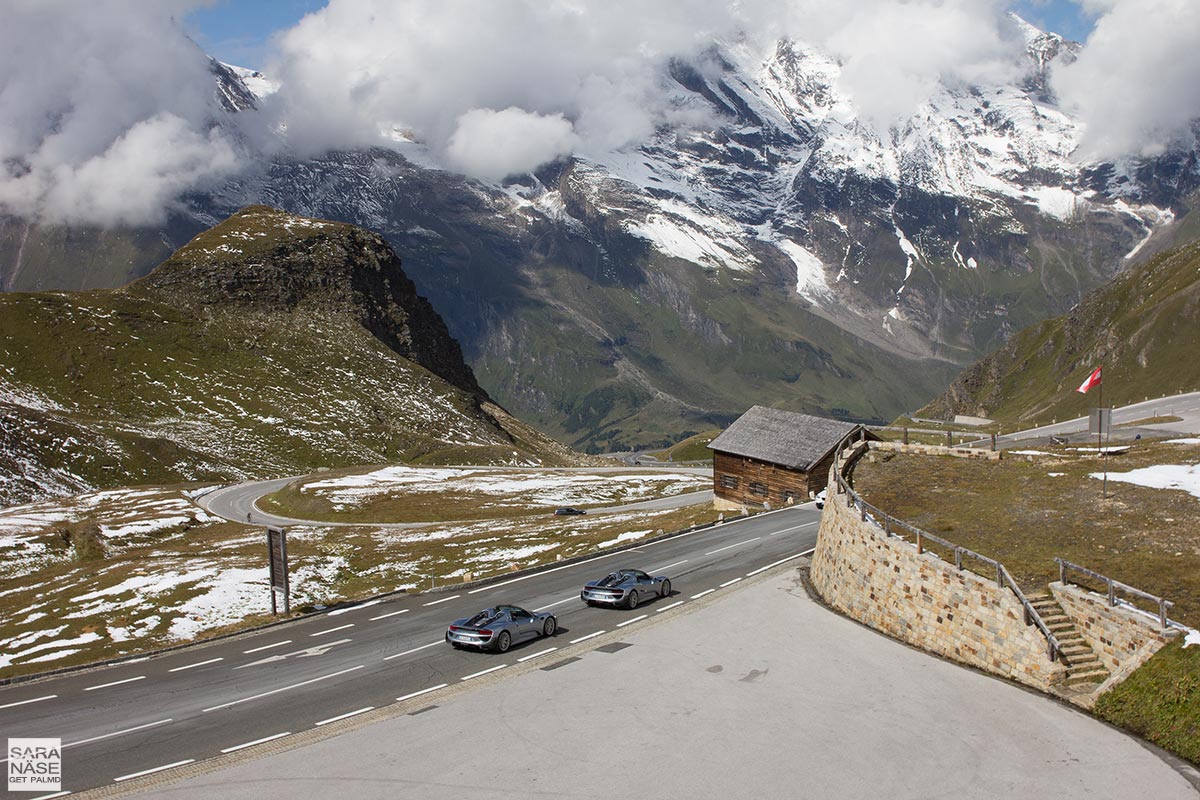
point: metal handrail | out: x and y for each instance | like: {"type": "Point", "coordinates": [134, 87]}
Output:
{"type": "Point", "coordinates": [1113, 585]}
{"type": "Point", "coordinates": [1003, 576]}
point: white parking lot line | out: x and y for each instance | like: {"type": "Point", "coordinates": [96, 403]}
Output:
{"type": "Point", "coordinates": [332, 630]}
{"type": "Point", "coordinates": [796, 527]}
{"type": "Point", "coordinates": [232, 703]}
{"type": "Point", "coordinates": [676, 604]}
{"type": "Point", "coordinates": [34, 700]}
{"type": "Point", "coordinates": [390, 614]}
{"type": "Point", "coordinates": [729, 583]}
{"type": "Point", "coordinates": [444, 600]}
{"type": "Point", "coordinates": [117, 733]}
{"type": "Point", "coordinates": [706, 591]}
{"type": "Point", "coordinates": [558, 603]}
{"type": "Point", "coordinates": [585, 638]}
{"type": "Point", "coordinates": [780, 561]}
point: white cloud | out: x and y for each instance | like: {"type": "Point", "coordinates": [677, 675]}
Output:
{"type": "Point", "coordinates": [493, 144]}
{"type": "Point", "coordinates": [1136, 85]}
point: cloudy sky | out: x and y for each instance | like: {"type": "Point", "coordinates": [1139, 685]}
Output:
{"type": "Point", "coordinates": [106, 108]}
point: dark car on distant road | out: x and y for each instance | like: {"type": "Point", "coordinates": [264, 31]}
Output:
{"type": "Point", "coordinates": [567, 511]}
{"type": "Point", "coordinates": [625, 587]}
{"type": "Point", "coordinates": [500, 627]}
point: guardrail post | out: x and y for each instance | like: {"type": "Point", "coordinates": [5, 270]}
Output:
{"type": "Point", "coordinates": [920, 544]}
{"type": "Point", "coordinates": [887, 527]}
{"type": "Point", "coordinates": [949, 440]}
{"type": "Point", "coordinates": [958, 558]}
{"type": "Point", "coordinates": [1162, 613]}
{"type": "Point", "coordinates": [1112, 594]}
{"type": "Point", "coordinates": [862, 508]}
{"type": "Point", "coordinates": [1028, 618]}
{"type": "Point", "coordinates": [1000, 576]}
{"type": "Point", "coordinates": [993, 442]}
{"type": "Point", "coordinates": [906, 434]}
{"type": "Point", "coordinates": [1062, 571]}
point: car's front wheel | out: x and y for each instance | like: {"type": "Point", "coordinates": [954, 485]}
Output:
{"type": "Point", "coordinates": [503, 642]}
{"type": "Point", "coordinates": [550, 627]}
{"type": "Point", "coordinates": [632, 601]}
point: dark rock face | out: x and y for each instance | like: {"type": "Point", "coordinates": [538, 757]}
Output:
{"type": "Point", "coordinates": [267, 259]}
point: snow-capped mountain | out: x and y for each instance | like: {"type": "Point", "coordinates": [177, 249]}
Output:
{"type": "Point", "coordinates": [786, 253]}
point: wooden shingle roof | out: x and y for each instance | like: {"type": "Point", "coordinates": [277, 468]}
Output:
{"type": "Point", "coordinates": [788, 438]}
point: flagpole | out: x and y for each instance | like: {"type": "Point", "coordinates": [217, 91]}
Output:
{"type": "Point", "coordinates": [1099, 433]}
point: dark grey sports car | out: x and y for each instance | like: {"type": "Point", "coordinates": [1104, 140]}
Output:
{"type": "Point", "coordinates": [499, 628]}
{"type": "Point", "coordinates": [625, 587]}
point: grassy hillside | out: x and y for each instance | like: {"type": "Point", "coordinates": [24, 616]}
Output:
{"type": "Point", "coordinates": [270, 345]}
{"type": "Point", "coordinates": [1142, 326]}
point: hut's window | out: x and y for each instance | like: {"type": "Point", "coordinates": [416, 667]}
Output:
{"type": "Point", "coordinates": [729, 482]}
{"type": "Point", "coordinates": [758, 488]}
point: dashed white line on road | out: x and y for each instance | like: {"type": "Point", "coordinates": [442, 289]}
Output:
{"type": "Point", "coordinates": [706, 591]}
{"type": "Point", "coordinates": [34, 700]}
{"type": "Point", "coordinates": [232, 703]}
{"type": "Point", "coordinates": [115, 683]}
{"type": "Point", "coordinates": [347, 715]}
{"type": "Point", "coordinates": [676, 604]}
{"type": "Point", "coordinates": [117, 733]}
{"type": "Point", "coordinates": [415, 649]}
{"type": "Point", "coordinates": [390, 614]}
{"type": "Point", "coordinates": [795, 527]}
{"type": "Point", "coordinates": [729, 583]}
{"type": "Point", "coordinates": [152, 771]}
{"type": "Point", "coordinates": [444, 600]}
{"type": "Point", "coordinates": [50, 796]}
{"type": "Point", "coordinates": [667, 567]}
{"type": "Point", "coordinates": [631, 621]}
{"type": "Point", "coordinates": [484, 672]}
{"type": "Point", "coordinates": [367, 604]}
{"type": "Point", "coordinates": [332, 630]}
{"type": "Point", "coordinates": [535, 655]}
{"type": "Point", "coordinates": [731, 546]}
{"type": "Point", "coordinates": [585, 638]}
{"type": "Point", "coordinates": [237, 747]}
{"type": "Point", "coordinates": [197, 664]}
{"type": "Point", "coordinates": [423, 691]}
{"type": "Point", "coordinates": [267, 647]}
{"type": "Point", "coordinates": [558, 603]}
{"type": "Point", "coordinates": [780, 561]}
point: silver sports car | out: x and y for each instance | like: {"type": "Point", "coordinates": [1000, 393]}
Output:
{"type": "Point", "coordinates": [499, 628]}
{"type": "Point", "coordinates": [625, 587]}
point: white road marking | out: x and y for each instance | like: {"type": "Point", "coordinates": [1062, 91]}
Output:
{"type": "Point", "coordinates": [346, 715]}
{"type": "Point", "coordinates": [780, 561]}
{"type": "Point", "coordinates": [237, 747]}
{"type": "Point", "coordinates": [152, 771]}
{"type": "Point", "coordinates": [796, 527]}
{"type": "Point", "coordinates": [415, 649]}
{"type": "Point", "coordinates": [731, 546]}
{"type": "Point", "coordinates": [367, 604]}
{"type": "Point", "coordinates": [585, 638]}
{"type": "Point", "coordinates": [117, 733]}
{"type": "Point", "coordinates": [390, 614]}
{"type": "Point", "coordinates": [484, 672]}
{"type": "Point", "coordinates": [267, 647]}
{"type": "Point", "coordinates": [34, 700]}
{"type": "Point", "coordinates": [559, 603]}
{"type": "Point", "coordinates": [673, 605]}
{"type": "Point", "coordinates": [706, 591]}
{"type": "Point", "coordinates": [729, 583]}
{"type": "Point", "coordinates": [444, 600]}
{"type": "Point", "coordinates": [115, 683]}
{"type": "Point", "coordinates": [49, 796]}
{"type": "Point", "coordinates": [423, 691]}
{"type": "Point", "coordinates": [631, 621]}
{"type": "Point", "coordinates": [535, 655]}
{"type": "Point", "coordinates": [232, 703]}
{"type": "Point", "coordinates": [198, 664]}
{"type": "Point", "coordinates": [667, 567]}
{"type": "Point", "coordinates": [315, 650]}
{"type": "Point", "coordinates": [332, 630]}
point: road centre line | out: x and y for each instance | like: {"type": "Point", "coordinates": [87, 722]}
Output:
{"type": "Point", "coordinates": [198, 664]}
{"type": "Point", "coordinates": [415, 649]}
{"type": "Point", "coordinates": [729, 583]}
{"type": "Point", "coordinates": [706, 591]}
{"type": "Point", "coordinates": [544, 572]}
{"type": "Point", "coordinates": [237, 747]}
{"type": "Point", "coordinates": [117, 733]}
{"type": "Point", "coordinates": [676, 604]}
{"type": "Point", "coordinates": [346, 715]}
{"type": "Point", "coordinates": [115, 683]}
{"type": "Point", "coordinates": [780, 561]}
{"type": "Point", "coordinates": [152, 771]}
{"type": "Point", "coordinates": [535, 655]}
{"type": "Point", "coordinates": [232, 703]}
{"type": "Point", "coordinates": [267, 647]}
{"type": "Point", "coordinates": [796, 527]}
{"type": "Point", "coordinates": [358, 607]}
{"type": "Point", "coordinates": [667, 567]}
{"type": "Point", "coordinates": [444, 600]}
{"type": "Point", "coordinates": [730, 546]}
{"type": "Point", "coordinates": [34, 700]}
{"type": "Point", "coordinates": [391, 614]}
{"type": "Point", "coordinates": [411, 695]}
{"type": "Point", "coordinates": [559, 603]}
{"type": "Point", "coordinates": [631, 621]}
{"type": "Point", "coordinates": [332, 630]}
{"type": "Point", "coordinates": [585, 638]}
{"type": "Point", "coordinates": [484, 672]}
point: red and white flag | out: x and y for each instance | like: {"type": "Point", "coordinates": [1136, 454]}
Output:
{"type": "Point", "coordinates": [1092, 380]}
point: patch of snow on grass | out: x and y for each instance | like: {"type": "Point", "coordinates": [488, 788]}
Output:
{"type": "Point", "coordinates": [226, 597]}
{"type": "Point", "coordinates": [1183, 441]}
{"type": "Point", "coordinates": [142, 526]}
{"type": "Point", "coordinates": [1193, 637]}
{"type": "Point", "coordinates": [624, 537]}
{"type": "Point", "coordinates": [1184, 477]}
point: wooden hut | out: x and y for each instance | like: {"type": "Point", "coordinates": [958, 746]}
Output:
{"type": "Point", "coordinates": [773, 457]}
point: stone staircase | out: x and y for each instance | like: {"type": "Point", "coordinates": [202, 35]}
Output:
{"type": "Point", "coordinates": [1084, 670]}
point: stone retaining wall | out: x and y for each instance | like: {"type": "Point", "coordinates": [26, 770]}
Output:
{"type": "Point", "coordinates": [1122, 638]}
{"type": "Point", "coordinates": [938, 450]}
{"type": "Point", "coordinates": [925, 601]}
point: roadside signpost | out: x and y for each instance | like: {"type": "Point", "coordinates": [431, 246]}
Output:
{"type": "Point", "coordinates": [277, 555]}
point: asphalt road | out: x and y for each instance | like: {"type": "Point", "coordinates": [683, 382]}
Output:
{"type": "Point", "coordinates": [199, 702]}
{"type": "Point", "coordinates": [1185, 406]}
